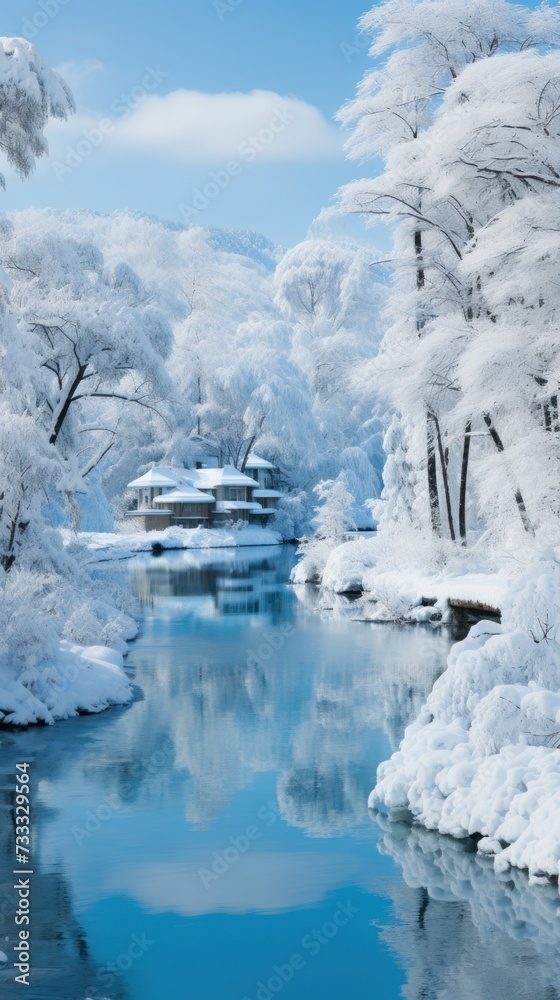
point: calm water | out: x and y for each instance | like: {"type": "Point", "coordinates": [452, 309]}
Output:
{"type": "Point", "coordinates": [212, 841]}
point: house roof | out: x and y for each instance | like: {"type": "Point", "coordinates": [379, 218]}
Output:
{"type": "Point", "coordinates": [184, 494]}
{"type": "Point", "coordinates": [267, 494]}
{"type": "Point", "coordinates": [153, 479]}
{"type": "Point", "coordinates": [256, 462]}
{"type": "Point", "coordinates": [208, 479]}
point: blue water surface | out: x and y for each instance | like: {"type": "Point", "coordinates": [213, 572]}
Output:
{"type": "Point", "coordinates": [212, 840]}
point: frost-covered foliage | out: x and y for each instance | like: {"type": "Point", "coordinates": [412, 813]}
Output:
{"type": "Point", "coordinates": [46, 601]}
{"type": "Point", "coordinates": [221, 360]}
{"type": "Point", "coordinates": [332, 521]}
{"type": "Point", "coordinates": [463, 112]}
{"type": "Point", "coordinates": [30, 93]}
{"type": "Point", "coordinates": [333, 301]}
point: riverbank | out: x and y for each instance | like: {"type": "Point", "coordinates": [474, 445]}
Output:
{"type": "Point", "coordinates": [483, 756]}
{"type": "Point", "coordinates": [104, 546]}
{"type": "Point", "coordinates": [414, 592]}
{"type": "Point", "coordinates": [75, 680]}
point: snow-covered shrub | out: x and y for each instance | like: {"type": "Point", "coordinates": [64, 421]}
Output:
{"type": "Point", "coordinates": [31, 616]}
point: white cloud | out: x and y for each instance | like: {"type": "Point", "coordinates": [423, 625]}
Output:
{"type": "Point", "coordinates": [197, 127]}
{"type": "Point", "coordinates": [262, 882]}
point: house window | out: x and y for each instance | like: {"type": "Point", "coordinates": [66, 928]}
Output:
{"type": "Point", "coordinates": [236, 493]}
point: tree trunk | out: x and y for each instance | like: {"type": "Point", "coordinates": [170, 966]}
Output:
{"type": "Point", "coordinates": [433, 493]}
{"type": "Point", "coordinates": [555, 415]}
{"type": "Point", "coordinates": [17, 528]}
{"type": "Point", "coordinates": [463, 486]}
{"type": "Point", "coordinates": [67, 403]}
{"type": "Point", "coordinates": [445, 478]}
{"type": "Point", "coordinates": [247, 453]}
{"type": "Point", "coordinates": [518, 496]}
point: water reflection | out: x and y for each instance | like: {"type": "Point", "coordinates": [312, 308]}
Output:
{"type": "Point", "coordinates": [232, 582]}
{"type": "Point", "coordinates": [465, 930]}
{"type": "Point", "coordinates": [255, 710]}
{"type": "Point", "coordinates": [62, 963]}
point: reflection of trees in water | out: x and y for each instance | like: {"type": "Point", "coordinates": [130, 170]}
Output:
{"type": "Point", "coordinates": [311, 712]}
{"type": "Point", "coordinates": [225, 722]}
{"type": "Point", "coordinates": [323, 791]}
{"type": "Point", "coordinates": [465, 931]}
{"type": "Point", "coordinates": [61, 963]}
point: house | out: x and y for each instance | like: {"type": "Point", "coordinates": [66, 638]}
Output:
{"type": "Point", "coordinates": [264, 473]}
{"type": "Point", "coordinates": [207, 497]}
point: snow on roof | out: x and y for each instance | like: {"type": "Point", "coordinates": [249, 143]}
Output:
{"type": "Point", "coordinates": [256, 462]}
{"type": "Point", "coordinates": [267, 494]}
{"type": "Point", "coordinates": [184, 494]}
{"type": "Point", "coordinates": [146, 512]}
{"type": "Point", "coordinates": [154, 478]}
{"type": "Point", "coordinates": [226, 505]}
{"type": "Point", "coordinates": [228, 476]}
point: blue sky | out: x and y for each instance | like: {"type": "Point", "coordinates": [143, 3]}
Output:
{"type": "Point", "coordinates": [230, 107]}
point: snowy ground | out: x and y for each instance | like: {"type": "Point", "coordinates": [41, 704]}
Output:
{"type": "Point", "coordinates": [76, 680]}
{"type": "Point", "coordinates": [104, 546]}
{"type": "Point", "coordinates": [483, 756]}
{"type": "Point", "coordinates": [389, 594]}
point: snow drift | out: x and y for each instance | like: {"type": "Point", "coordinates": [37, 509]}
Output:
{"type": "Point", "coordinates": [483, 757]}
{"type": "Point", "coordinates": [76, 680]}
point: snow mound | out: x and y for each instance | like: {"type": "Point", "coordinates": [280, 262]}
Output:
{"type": "Point", "coordinates": [77, 680]}
{"type": "Point", "coordinates": [105, 545]}
{"type": "Point", "coordinates": [395, 593]}
{"type": "Point", "coordinates": [483, 757]}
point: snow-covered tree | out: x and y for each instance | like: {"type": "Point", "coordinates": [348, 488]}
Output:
{"type": "Point", "coordinates": [333, 519]}
{"type": "Point", "coordinates": [329, 293]}
{"type": "Point", "coordinates": [30, 93]}
{"type": "Point", "coordinates": [440, 138]}
{"type": "Point", "coordinates": [93, 334]}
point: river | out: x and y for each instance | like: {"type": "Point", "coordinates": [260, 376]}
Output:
{"type": "Point", "coordinates": [211, 841]}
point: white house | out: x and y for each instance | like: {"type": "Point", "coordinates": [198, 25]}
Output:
{"type": "Point", "coordinates": [208, 496]}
